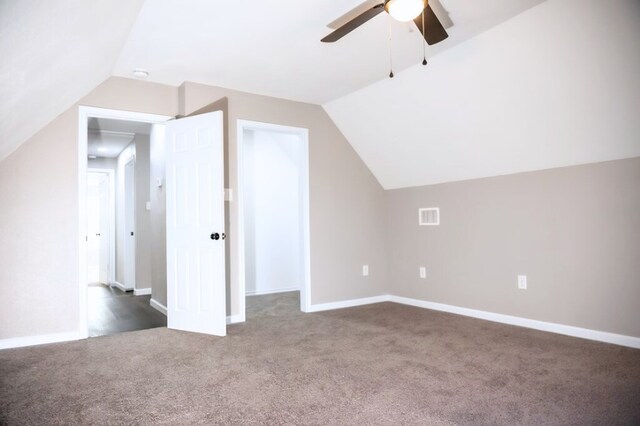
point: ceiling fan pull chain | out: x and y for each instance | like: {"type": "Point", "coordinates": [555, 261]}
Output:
{"type": "Point", "coordinates": [424, 42]}
{"type": "Point", "coordinates": [390, 51]}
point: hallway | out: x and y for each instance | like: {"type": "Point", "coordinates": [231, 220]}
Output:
{"type": "Point", "coordinates": [113, 311]}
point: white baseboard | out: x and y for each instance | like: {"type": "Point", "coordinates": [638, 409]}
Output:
{"type": "Point", "coordinates": [235, 319]}
{"type": "Point", "coordinates": [584, 333]}
{"type": "Point", "coordinates": [232, 319]}
{"type": "Point", "coordinates": [20, 342]}
{"type": "Point", "coordinates": [141, 291]}
{"type": "Point", "coordinates": [120, 286]}
{"type": "Point", "coordinates": [348, 303]}
{"type": "Point", "coordinates": [158, 306]}
{"type": "Point", "coordinates": [272, 291]}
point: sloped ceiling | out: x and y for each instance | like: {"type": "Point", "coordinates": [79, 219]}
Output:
{"type": "Point", "coordinates": [274, 48]}
{"type": "Point", "coordinates": [555, 86]}
{"type": "Point", "coordinates": [54, 52]}
{"type": "Point", "coordinates": [519, 85]}
{"type": "Point", "coordinates": [51, 54]}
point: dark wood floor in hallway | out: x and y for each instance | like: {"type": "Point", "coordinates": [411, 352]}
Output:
{"type": "Point", "coordinates": [113, 311]}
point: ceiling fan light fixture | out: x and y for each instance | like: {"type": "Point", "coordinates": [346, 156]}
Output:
{"type": "Point", "coordinates": [404, 10]}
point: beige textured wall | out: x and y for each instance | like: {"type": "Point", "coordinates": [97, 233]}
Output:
{"type": "Point", "coordinates": [158, 218]}
{"type": "Point", "coordinates": [144, 241]}
{"type": "Point", "coordinates": [347, 204]}
{"type": "Point", "coordinates": [574, 231]}
{"type": "Point", "coordinates": [39, 214]}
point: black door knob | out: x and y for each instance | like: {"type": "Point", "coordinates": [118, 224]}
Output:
{"type": "Point", "coordinates": [215, 236]}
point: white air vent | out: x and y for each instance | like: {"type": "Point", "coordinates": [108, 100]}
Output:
{"type": "Point", "coordinates": [429, 216]}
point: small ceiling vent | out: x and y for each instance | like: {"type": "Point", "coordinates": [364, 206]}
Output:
{"type": "Point", "coordinates": [429, 216]}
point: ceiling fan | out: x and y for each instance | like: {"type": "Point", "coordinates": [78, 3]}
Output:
{"type": "Point", "coordinates": [402, 10]}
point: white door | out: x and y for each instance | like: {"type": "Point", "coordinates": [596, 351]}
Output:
{"type": "Point", "coordinates": [93, 228]}
{"type": "Point", "coordinates": [129, 226]}
{"type": "Point", "coordinates": [195, 224]}
{"type": "Point", "coordinates": [105, 231]}
{"type": "Point", "coordinates": [98, 228]}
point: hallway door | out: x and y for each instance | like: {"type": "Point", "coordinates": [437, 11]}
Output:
{"type": "Point", "coordinates": [98, 228]}
{"type": "Point", "coordinates": [129, 225]}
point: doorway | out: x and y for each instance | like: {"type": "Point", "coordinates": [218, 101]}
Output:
{"type": "Point", "coordinates": [273, 196]}
{"type": "Point", "coordinates": [114, 192]}
{"type": "Point", "coordinates": [181, 186]}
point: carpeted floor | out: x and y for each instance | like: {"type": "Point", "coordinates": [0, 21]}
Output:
{"type": "Point", "coordinates": [376, 364]}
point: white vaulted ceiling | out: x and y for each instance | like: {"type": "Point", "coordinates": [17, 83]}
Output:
{"type": "Point", "coordinates": [51, 54]}
{"type": "Point", "coordinates": [54, 52]}
{"type": "Point", "coordinates": [519, 84]}
{"type": "Point", "coordinates": [555, 86]}
{"type": "Point", "coordinates": [274, 48]}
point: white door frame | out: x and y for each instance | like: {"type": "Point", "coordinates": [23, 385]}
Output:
{"type": "Point", "coordinates": [112, 220]}
{"type": "Point", "coordinates": [305, 289]}
{"type": "Point", "coordinates": [84, 114]}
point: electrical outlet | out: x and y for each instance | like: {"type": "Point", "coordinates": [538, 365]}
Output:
{"type": "Point", "coordinates": [522, 282]}
{"type": "Point", "coordinates": [423, 272]}
{"type": "Point", "coordinates": [365, 270]}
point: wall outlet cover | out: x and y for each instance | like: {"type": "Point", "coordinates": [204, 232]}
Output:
{"type": "Point", "coordinates": [365, 270]}
{"type": "Point", "coordinates": [522, 282]}
{"type": "Point", "coordinates": [423, 272]}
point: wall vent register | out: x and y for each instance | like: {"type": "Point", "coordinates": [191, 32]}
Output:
{"type": "Point", "coordinates": [429, 216]}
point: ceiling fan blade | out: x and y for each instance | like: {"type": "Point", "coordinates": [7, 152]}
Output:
{"type": "Point", "coordinates": [435, 32]}
{"type": "Point", "coordinates": [353, 24]}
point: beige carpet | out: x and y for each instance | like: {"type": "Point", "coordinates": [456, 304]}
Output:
{"type": "Point", "coordinates": [376, 364]}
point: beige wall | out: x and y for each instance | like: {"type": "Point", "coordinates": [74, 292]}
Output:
{"type": "Point", "coordinates": [574, 231]}
{"type": "Point", "coordinates": [347, 205]}
{"type": "Point", "coordinates": [144, 240]}
{"type": "Point", "coordinates": [157, 220]}
{"type": "Point", "coordinates": [39, 214]}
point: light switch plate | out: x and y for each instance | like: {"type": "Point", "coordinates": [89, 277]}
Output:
{"type": "Point", "coordinates": [148, 205]}
{"type": "Point", "coordinates": [423, 272]}
{"type": "Point", "coordinates": [365, 270]}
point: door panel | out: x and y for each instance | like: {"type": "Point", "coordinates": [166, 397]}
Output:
{"type": "Point", "coordinates": [195, 212]}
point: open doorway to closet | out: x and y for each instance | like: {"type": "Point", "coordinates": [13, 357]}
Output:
{"type": "Point", "coordinates": [274, 218]}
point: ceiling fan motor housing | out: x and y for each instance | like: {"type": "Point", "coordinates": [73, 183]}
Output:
{"type": "Point", "coordinates": [404, 10]}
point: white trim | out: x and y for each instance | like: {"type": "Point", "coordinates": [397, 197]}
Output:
{"type": "Point", "coordinates": [141, 291]}
{"type": "Point", "coordinates": [349, 303]}
{"type": "Point", "coordinates": [158, 306]}
{"type": "Point", "coordinates": [119, 285]}
{"type": "Point", "coordinates": [305, 289]}
{"type": "Point", "coordinates": [84, 113]}
{"type": "Point", "coordinates": [234, 319]}
{"type": "Point", "coordinates": [272, 291]}
{"type": "Point", "coordinates": [584, 333]}
{"type": "Point", "coordinates": [20, 342]}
